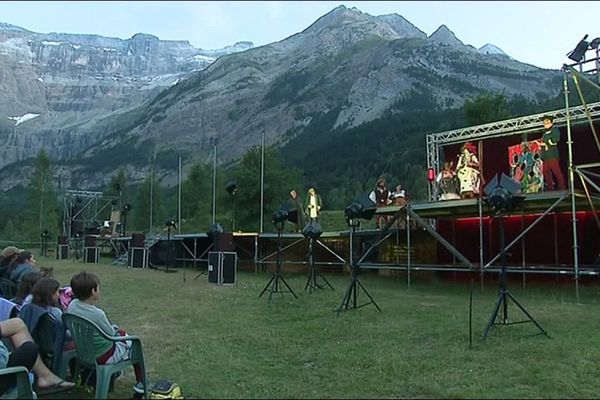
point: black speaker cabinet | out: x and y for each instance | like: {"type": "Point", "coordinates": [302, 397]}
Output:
{"type": "Point", "coordinates": [91, 254]}
{"type": "Point", "coordinates": [62, 252]}
{"type": "Point", "coordinates": [62, 239]}
{"type": "Point", "coordinates": [89, 241]}
{"type": "Point", "coordinates": [222, 267]}
{"type": "Point", "coordinates": [137, 257]}
{"type": "Point", "coordinates": [137, 239]}
{"type": "Point", "coordinates": [223, 241]}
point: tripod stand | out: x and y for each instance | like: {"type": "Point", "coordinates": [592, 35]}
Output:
{"type": "Point", "coordinates": [311, 282]}
{"type": "Point", "coordinates": [274, 283]}
{"type": "Point", "coordinates": [355, 284]}
{"type": "Point", "coordinates": [504, 295]}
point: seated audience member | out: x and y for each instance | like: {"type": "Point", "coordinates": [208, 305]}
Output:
{"type": "Point", "coordinates": [86, 289]}
{"type": "Point", "coordinates": [8, 257]}
{"type": "Point", "coordinates": [25, 264]}
{"type": "Point", "coordinates": [24, 295]}
{"type": "Point", "coordinates": [45, 295]}
{"type": "Point", "coordinates": [26, 355]}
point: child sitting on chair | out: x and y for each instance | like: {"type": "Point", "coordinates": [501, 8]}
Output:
{"type": "Point", "coordinates": [86, 289]}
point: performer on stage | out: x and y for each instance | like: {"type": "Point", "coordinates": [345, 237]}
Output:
{"type": "Point", "coordinates": [467, 169]}
{"type": "Point", "coordinates": [295, 202]}
{"type": "Point", "coordinates": [399, 196]}
{"type": "Point", "coordinates": [550, 155]}
{"type": "Point", "coordinates": [313, 205]}
{"type": "Point", "coordinates": [447, 182]}
{"type": "Point", "coordinates": [381, 197]}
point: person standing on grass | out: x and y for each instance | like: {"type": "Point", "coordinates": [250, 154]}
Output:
{"type": "Point", "coordinates": [86, 289]}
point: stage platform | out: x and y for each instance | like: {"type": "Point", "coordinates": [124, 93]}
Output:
{"type": "Point", "coordinates": [533, 203]}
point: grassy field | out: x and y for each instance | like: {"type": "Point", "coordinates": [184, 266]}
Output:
{"type": "Point", "coordinates": [226, 342]}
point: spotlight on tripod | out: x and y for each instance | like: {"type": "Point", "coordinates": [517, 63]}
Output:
{"type": "Point", "coordinates": [170, 224]}
{"type": "Point", "coordinates": [502, 195]}
{"type": "Point", "coordinates": [312, 231]}
{"type": "Point", "coordinates": [353, 214]}
{"type": "Point", "coordinates": [274, 285]}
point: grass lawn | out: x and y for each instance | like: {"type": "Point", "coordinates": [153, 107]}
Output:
{"type": "Point", "coordinates": [226, 342]}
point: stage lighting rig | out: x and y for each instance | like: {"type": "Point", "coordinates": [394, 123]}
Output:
{"type": "Point", "coordinates": [504, 194]}
{"type": "Point", "coordinates": [578, 53]}
{"type": "Point", "coordinates": [280, 216]}
{"type": "Point", "coordinates": [276, 283]}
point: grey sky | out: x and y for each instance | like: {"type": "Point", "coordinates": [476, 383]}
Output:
{"type": "Point", "coordinates": [535, 32]}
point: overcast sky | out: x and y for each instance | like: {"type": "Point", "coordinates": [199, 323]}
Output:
{"type": "Point", "coordinates": [536, 32]}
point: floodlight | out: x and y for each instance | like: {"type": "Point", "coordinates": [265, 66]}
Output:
{"type": "Point", "coordinates": [503, 194]}
{"type": "Point", "coordinates": [312, 230]}
{"type": "Point", "coordinates": [280, 215]}
{"type": "Point", "coordinates": [354, 211]}
{"type": "Point", "coordinates": [232, 188]}
{"type": "Point", "coordinates": [579, 51]}
{"type": "Point", "coordinates": [170, 223]}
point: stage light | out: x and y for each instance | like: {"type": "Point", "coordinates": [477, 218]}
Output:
{"type": "Point", "coordinates": [280, 215]}
{"type": "Point", "coordinates": [430, 174]}
{"type": "Point", "coordinates": [503, 194]}
{"type": "Point", "coordinates": [126, 207]}
{"type": "Point", "coordinates": [595, 43]}
{"type": "Point", "coordinates": [578, 53]}
{"type": "Point", "coordinates": [216, 228]}
{"type": "Point", "coordinates": [170, 223]}
{"type": "Point", "coordinates": [354, 211]}
{"type": "Point", "coordinates": [312, 230]}
{"type": "Point", "coordinates": [232, 188]}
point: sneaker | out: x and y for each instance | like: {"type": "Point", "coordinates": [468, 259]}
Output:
{"type": "Point", "coordinates": [139, 388]}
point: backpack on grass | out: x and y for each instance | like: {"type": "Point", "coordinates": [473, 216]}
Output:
{"type": "Point", "coordinates": [164, 389]}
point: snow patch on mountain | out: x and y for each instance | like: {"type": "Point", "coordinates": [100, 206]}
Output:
{"type": "Point", "coordinates": [24, 118]}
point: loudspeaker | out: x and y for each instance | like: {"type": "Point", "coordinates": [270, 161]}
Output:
{"type": "Point", "coordinates": [90, 255]}
{"type": "Point", "coordinates": [137, 239]}
{"type": "Point", "coordinates": [222, 267]}
{"type": "Point", "coordinates": [223, 241]}
{"type": "Point", "coordinates": [62, 239]}
{"type": "Point", "coordinates": [137, 257]}
{"type": "Point", "coordinates": [62, 252]}
{"type": "Point", "coordinates": [163, 253]}
{"type": "Point", "coordinates": [89, 241]}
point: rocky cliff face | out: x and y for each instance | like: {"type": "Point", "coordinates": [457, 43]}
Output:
{"type": "Point", "coordinates": [348, 65]}
{"type": "Point", "coordinates": [53, 86]}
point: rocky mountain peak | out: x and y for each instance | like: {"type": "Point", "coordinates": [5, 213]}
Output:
{"type": "Point", "coordinates": [491, 49]}
{"type": "Point", "coordinates": [402, 26]}
{"type": "Point", "coordinates": [445, 36]}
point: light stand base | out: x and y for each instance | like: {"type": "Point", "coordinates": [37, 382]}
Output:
{"type": "Point", "coordinates": [350, 299]}
{"type": "Point", "coordinates": [314, 275]}
{"type": "Point", "coordinates": [274, 286]}
{"type": "Point", "coordinates": [502, 301]}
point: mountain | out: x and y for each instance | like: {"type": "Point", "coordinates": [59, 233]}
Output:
{"type": "Point", "coordinates": [345, 70]}
{"type": "Point", "coordinates": [55, 84]}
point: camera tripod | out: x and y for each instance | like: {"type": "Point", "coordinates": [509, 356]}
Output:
{"type": "Point", "coordinates": [504, 295]}
{"type": "Point", "coordinates": [352, 292]}
{"type": "Point", "coordinates": [274, 285]}
{"type": "Point", "coordinates": [311, 282]}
